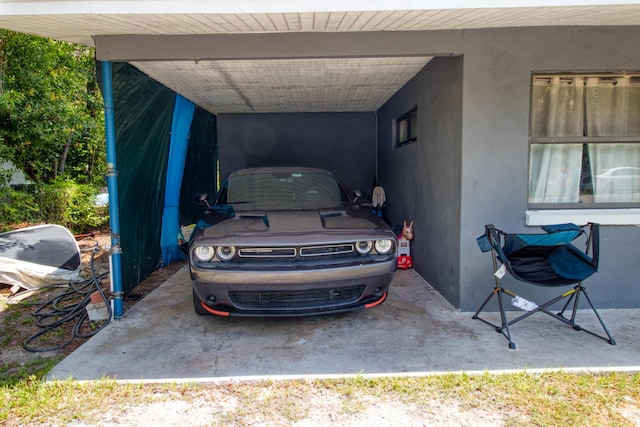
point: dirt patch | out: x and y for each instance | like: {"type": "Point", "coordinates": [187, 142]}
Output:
{"type": "Point", "coordinates": [318, 408]}
{"type": "Point", "coordinates": [23, 316]}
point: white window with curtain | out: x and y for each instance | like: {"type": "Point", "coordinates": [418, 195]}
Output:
{"type": "Point", "coordinates": [584, 150]}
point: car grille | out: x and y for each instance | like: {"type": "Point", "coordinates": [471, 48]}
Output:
{"type": "Point", "coordinates": [275, 300]}
{"type": "Point", "coordinates": [291, 252]}
{"type": "Point", "coordinates": [267, 252]}
{"type": "Point", "coordinates": [326, 250]}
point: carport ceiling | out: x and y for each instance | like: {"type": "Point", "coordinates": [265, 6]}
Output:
{"type": "Point", "coordinates": [289, 83]}
{"type": "Point", "coordinates": [286, 85]}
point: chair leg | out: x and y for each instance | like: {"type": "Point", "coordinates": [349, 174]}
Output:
{"type": "Point", "coordinates": [497, 290]}
{"type": "Point", "coordinates": [503, 328]}
{"type": "Point", "coordinates": [580, 290]}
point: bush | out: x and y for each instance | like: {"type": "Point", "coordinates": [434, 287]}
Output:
{"type": "Point", "coordinates": [62, 202]}
{"type": "Point", "coordinates": [72, 205]}
{"type": "Point", "coordinates": [17, 207]}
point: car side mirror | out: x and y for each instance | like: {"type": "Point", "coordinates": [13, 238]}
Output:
{"type": "Point", "coordinates": [359, 195]}
{"type": "Point", "coordinates": [201, 199]}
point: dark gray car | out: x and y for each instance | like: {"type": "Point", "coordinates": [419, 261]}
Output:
{"type": "Point", "coordinates": [288, 242]}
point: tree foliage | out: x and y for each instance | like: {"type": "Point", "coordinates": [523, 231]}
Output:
{"type": "Point", "coordinates": [51, 116]}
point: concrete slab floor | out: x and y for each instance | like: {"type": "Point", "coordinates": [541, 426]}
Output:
{"type": "Point", "coordinates": [415, 332]}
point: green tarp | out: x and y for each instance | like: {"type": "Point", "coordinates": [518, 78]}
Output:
{"type": "Point", "coordinates": [143, 110]}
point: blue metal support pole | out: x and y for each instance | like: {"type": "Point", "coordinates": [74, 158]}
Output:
{"type": "Point", "coordinates": [117, 293]}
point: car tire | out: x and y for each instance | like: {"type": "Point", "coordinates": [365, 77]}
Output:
{"type": "Point", "coordinates": [197, 305]}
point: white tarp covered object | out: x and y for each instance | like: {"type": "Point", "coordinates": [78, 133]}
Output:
{"type": "Point", "coordinates": [39, 256]}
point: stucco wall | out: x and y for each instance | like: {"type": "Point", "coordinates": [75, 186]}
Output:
{"type": "Point", "coordinates": [422, 180]}
{"type": "Point", "coordinates": [497, 73]}
{"type": "Point", "coordinates": [341, 142]}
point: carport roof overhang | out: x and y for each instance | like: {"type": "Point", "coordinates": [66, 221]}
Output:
{"type": "Point", "coordinates": [235, 56]}
{"type": "Point", "coordinates": [282, 72]}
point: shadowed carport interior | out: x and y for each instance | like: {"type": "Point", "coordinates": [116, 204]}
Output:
{"type": "Point", "coordinates": [414, 332]}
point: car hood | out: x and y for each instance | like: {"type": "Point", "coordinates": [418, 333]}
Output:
{"type": "Point", "coordinates": [249, 221]}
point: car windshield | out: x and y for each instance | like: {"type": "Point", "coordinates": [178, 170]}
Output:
{"type": "Point", "coordinates": [276, 187]}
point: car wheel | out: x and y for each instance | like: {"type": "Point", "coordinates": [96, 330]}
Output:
{"type": "Point", "coordinates": [197, 305]}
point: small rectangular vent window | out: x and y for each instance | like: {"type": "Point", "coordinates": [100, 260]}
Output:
{"type": "Point", "coordinates": [406, 127]}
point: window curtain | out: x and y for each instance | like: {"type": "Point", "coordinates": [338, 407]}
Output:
{"type": "Point", "coordinates": [613, 109]}
{"type": "Point", "coordinates": [557, 111]}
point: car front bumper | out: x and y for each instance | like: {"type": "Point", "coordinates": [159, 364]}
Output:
{"type": "Point", "coordinates": [292, 292]}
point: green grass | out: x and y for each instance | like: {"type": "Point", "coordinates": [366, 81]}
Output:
{"type": "Point", "coordinates": [15, 373]}
{"type": "Point", "coordinates": [539, 399]}
{"type": "Point", "coordinates": [521, 399]}
{"type": "Point", "coordinates": [9, 329]}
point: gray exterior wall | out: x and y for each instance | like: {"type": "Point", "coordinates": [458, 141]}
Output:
{"type": "Point", "coordinates": [341, 142]}
{"type": "Point", "coordinates": [422, 180]}
{"type": "Point", "coordinates": [497, 74]}
{"type": "Point", "coordinates": [470, 165]}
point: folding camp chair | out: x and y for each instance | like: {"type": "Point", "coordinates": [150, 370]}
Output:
{"type": "Point", "coordinates": [547, 259]}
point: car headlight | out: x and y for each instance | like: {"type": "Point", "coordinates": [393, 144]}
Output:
{"type": "Point", "coordinates": [384, 246]}
{"type": "Point", "coordinates": [204, 253]}
{"type": "Point", "coordinates": [364, 247]}
{"type": "Point", "coordinates": [226, 253]}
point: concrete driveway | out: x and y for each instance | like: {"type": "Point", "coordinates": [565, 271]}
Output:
{"type": "Point", "coordinates": [415, 332]}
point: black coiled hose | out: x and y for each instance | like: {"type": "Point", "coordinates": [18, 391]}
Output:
{"type": "Point", "coordinates": [67, 307]}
